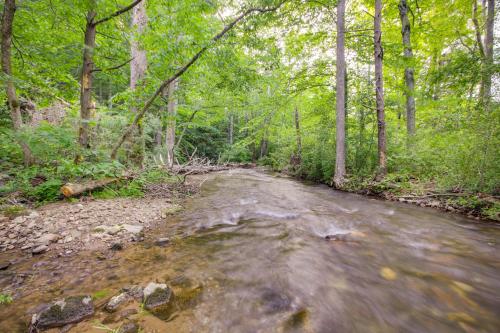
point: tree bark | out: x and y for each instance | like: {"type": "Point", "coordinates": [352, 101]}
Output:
{"type": "Point", "coordinates": [488, 54]}
{"type": "Point", "coordinates": [298, 136]}
{"type": "Point", "coordinates": [86, 80]}
{"type": "Point", "coordinates": [9, 11]}
{"type": "Point", "coordinates": [169, 93]}
{"type": "Point", "coordinates": [71, 190]}
{"type": "Point", "coordinates": [379, 91]}
{"type": "Point", "coordinates": [340, 170]}
{"type": "Point", "coordinates": [409, 71]}
{"type": "Point", "coordinates": [138, 67]}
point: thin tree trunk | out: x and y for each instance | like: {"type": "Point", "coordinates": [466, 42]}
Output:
{"type": "Point", "coordinates": [340, 170]}
{"type": "Point", "coordinates": [171, 114]}
{"type": "Point", "coordinates": [379, 91]}
{"type": "Point", "coordinates": [9, 11]}
{"type": "Point", "coordinates": [298, 136]}
{"type": "Point", "coordinates": [488, 54]}
{"type": "Point", "coordinates": [86, 80]}
{"type": "Point", "coordinates": [231, 128]}
{"type": "Point", "coordinates": [409, 71]}
{"type": "Point", "coordinates": [138, 67]}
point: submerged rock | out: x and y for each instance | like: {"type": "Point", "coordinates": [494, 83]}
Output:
{"type": "Point", "coordinates": [4, 265]}
{"type": "Point", "coordinates": [116, 247]}
{"type": "Point", "coordinates": [157, 297]}
{"type": "Point", "coordinates": [339, 237]}
{"type": "Point", "coordinates": [274, 301]}
{"type": "Point", "coordinates": [129, 327]}
{"type": "Point", "coordinates": [61, 313]}
{"type": "Point", "coordinates": [162, 241]}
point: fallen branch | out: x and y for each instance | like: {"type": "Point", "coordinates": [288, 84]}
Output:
{"type": "Point", "coordinates": [72, 190]}
{"type": "Point", "coordinates": [182, 70]}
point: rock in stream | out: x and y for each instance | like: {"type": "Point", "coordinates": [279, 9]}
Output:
{"type": "Point", "coordinates": [71, 310]}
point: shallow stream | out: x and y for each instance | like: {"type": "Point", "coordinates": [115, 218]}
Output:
{"type": "Point", "coordinates": [253, 246]}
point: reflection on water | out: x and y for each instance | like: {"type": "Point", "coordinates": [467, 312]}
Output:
{"type": "Point", "coordinates": [254, 247]}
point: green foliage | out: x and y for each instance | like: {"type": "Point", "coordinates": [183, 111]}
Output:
{"type": "Point", "coordinates": [5, 299]}
{"type": "Point", "coordinates": [13, 211]}
{"type": "Point", "coordinates": [47, 191]}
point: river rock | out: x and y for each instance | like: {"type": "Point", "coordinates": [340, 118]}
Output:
{"type": "Point", "coordinates": [129, 327]}
{"type": "Point", "coordinates": [47, 239]}
{"type": "Point", "coordinates": [274, 301]}
{"type": "Point", "coordinates": [133, 229]}
{"type": "Point", "coordinates": [39, 249]}
{"type": "Point", "coordinates": [115, 302]}
{"type": "Point", "coordinates": [157, 295]}
{"type": "Point", "coordinates": [4, 265]}
{"type": "Point", "coordinates": [339, 237]}
{"type": "Point", "coordinates": [61, 313]}
{"type": "Point", "coordinates": [162, 241]}
{"type": "Point", "coordinates": [134, 291]}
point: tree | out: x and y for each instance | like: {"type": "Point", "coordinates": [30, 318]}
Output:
{"type": "Point", "coordinates": [340, 170]}
{"type": "Point", "coordinates": [485, 49]}
{"type": "Point", "coordinates": [9, 11]}
{"type": "Point", "coordinates": [379, 91]}
{"type": "Point", "coordinates": [409, 71]}
{"type": "Point", "coordinates": [138, 67]}
{"type": "Point", "coordinates": [88, 69]}
{"type": "Point", "coordinates": [169, 93]}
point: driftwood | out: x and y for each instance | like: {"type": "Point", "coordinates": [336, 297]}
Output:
{"type": "Point", "coordinates": [72, 189]}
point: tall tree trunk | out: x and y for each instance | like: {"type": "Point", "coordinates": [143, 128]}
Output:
{"type": "Point", "coordinates": [231, 128]}
{"type": "Point", "coordinates": [488, 54]}
{"type": "Point", "coordinates": [86, 80]}
{"type": "Point", "coordinates": [339, 177]}
{"type": "Point", "coordinates": [409, 72]}
{"type": "Point", "coordinates": [169, 93]}
{"type": "Point", "coordinates": [9, 11]}
{"type": "Point", "coordinates": [138, 67]}
{"type": "Point", "coordinates": [298, 136]}
{"type": "Point", "coordinates": [379, 91]}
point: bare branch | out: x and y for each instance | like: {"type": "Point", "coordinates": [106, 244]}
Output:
{"type": "Point", "coordinates": [117, 13]}
{"type": "Point", "coordinates": [112, 68]}
{"type": "Point", "coordinates": [477, 28]}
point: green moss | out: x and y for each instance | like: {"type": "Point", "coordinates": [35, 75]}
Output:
{"type": "Point", "coordinates": [298, 319]}
{"type": "Point", "coordinates": [100, 294]}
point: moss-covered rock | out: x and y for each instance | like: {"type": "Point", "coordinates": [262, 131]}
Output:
{"type": "Point", "coordinates": [68, 311]}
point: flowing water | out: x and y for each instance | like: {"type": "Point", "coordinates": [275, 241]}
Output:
{"type": "Point", "coordinates": [253, 246]}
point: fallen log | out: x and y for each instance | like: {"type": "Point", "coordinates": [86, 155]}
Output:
{"type": "Point", "coordinates": [72, 189]}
